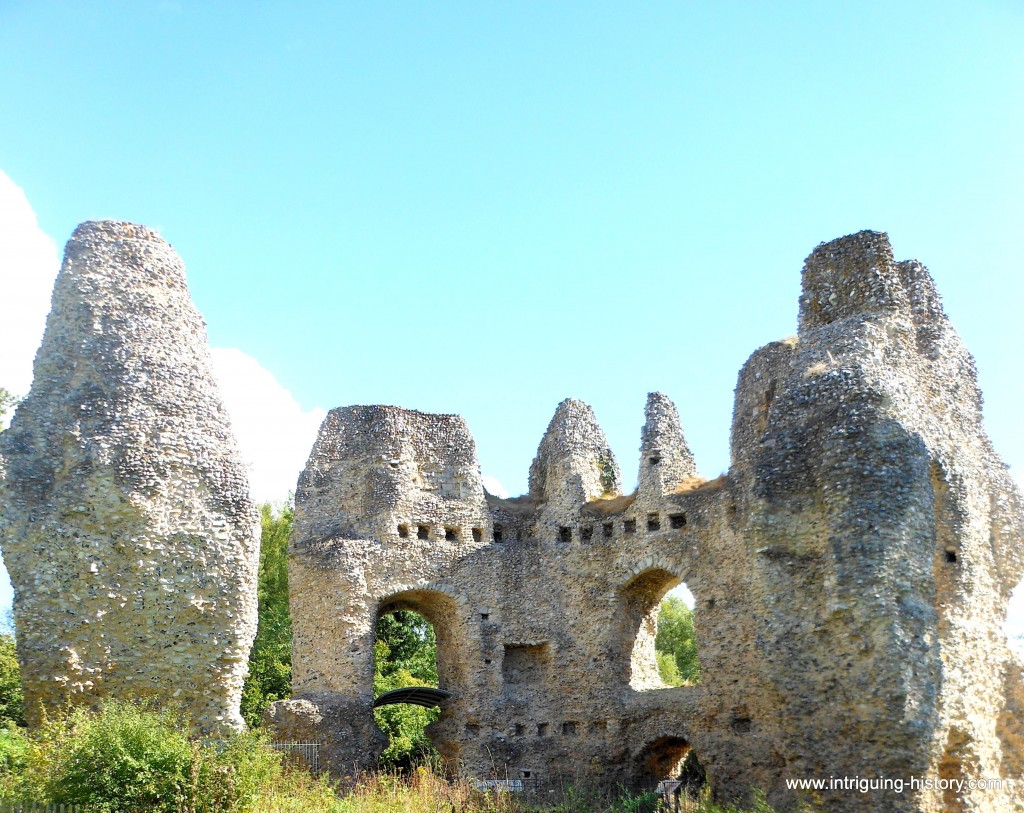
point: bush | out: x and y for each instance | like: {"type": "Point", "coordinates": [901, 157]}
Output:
{"type": "Point", "coordinates": [233, 775]}
{"type": "Point", "coordinates": [130, 757]}
{"type": "Point", "coordinates": [123, 759]}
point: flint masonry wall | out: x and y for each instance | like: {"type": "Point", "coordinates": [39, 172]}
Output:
{"type": "Point", "coordinates": [851, 572]}
{"type": "Point", "coordinates": [125, 516]}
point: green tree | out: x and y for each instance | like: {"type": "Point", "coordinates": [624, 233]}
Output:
{"type": "Point", "coordinates": [405, 654]}
{"type": "Point", "coordinates": [10, 682]}
{"type": "Point", "coordinates": [676, 644]}
{"type": "Point", "coordinates": [270, 661]}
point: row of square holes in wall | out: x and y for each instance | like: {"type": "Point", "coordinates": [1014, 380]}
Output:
{"type": "Point", "coordinates": [740, 724]}
{"type": "Point", "coordinates": [676, 521]}
{"type": "Point", "coordinates": [570, 728]}
{"type": "Point", "coordinates": [452, 534]}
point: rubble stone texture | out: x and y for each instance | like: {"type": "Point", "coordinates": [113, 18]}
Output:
{"type": "Point", "coordinates": [851, 573]}
{"type": "Point", "coordinates": [125, 516]}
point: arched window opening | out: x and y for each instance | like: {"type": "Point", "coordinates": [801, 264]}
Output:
{"type": "Point", "coordinates": [405, 655]}
{"type": "Point", "coordinates": [660, 628]}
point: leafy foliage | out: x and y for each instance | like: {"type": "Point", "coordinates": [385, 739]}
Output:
{"type": "Point", "coordinates": [11, 702]}
{"type": "Point", "coordinates": [14, 746]}
{"type": "Point", "coordinates": [405, 654]}
{"type": "Point", "coordinates": [668, 669]}
{"type": "Point", "coordinates": [676, 644]}
{"type": "Point", "coordinates": [270, 661]}
{"type": "Point", "coordinates": [130, 757]}
{"type": "Point", "coordinates": [122, 760]}
{"type": "Point", "coordinates": [606, 467]}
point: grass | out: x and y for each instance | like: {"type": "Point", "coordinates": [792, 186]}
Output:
{"type": "Point", "coordinates": [606, 506]}
{"type": "Point", "coordinates": [128, 757]}
{"type": "Point", "coordinates": [427, 792]}
{"type": "Point", "coordinates": [692, 484]}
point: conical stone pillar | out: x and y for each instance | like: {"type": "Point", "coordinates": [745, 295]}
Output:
{"type": "Point", "coordinates": [125, 516]}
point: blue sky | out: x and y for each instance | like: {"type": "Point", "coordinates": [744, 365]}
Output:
{"type": "Point", "coordinates": [484, 208]}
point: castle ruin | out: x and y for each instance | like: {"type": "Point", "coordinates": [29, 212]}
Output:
{"type": "Point", "coordinates": [851, 570]}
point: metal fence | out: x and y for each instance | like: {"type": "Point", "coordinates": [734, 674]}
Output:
{"type": "Point", "coordinates": [673, 796]}
{"type": "Point", "coordinates": [301, 754]}
{"type": "Point", "coordinates": [9, 806]}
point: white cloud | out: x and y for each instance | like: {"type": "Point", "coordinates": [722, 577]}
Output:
{"type": "Point", "coordinates": [494, 486]}
{"type": "Point", "coordinates": [274, 433]}
{"type": "Point", "coordinates": [28, 266]}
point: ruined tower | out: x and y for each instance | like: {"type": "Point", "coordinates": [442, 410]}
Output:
{"type": "Point", "coordinates": [851, 573]}
{"type": "Point", "coordinates": [125, 516]}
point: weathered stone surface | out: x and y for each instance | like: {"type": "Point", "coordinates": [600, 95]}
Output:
{"type": "Point", "coordinates": [666, 462]}
{"type": "Point", "coordinates": [125, 517]}
{"type": "Point", "coordinates": [851, 572]}
{"type": "Point", "coordinates": [574, 463]}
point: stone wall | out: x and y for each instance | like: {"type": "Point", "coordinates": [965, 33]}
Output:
{"type": "Point", "coordinates": [851, 572]}
{"type": "Point", "coordinates": [125, 516]}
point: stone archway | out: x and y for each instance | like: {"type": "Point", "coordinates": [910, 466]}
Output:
{"type": "Point", "coordinates": [445, 614]}
{"type": "Point", "coordinates": [640, 599]}
{"type": "Point", "coordinates": [669, 757]}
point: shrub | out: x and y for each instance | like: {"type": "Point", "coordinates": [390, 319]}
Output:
{"type": "Point", "coordinates": [123, 759]}
{"type": "Point", "coordinates": [232, 775]}
{"type": "Point", "coordinates": [130, 757]}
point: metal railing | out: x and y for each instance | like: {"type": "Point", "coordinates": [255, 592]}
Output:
{"type": "Point", "coordinates": [302, 754]}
